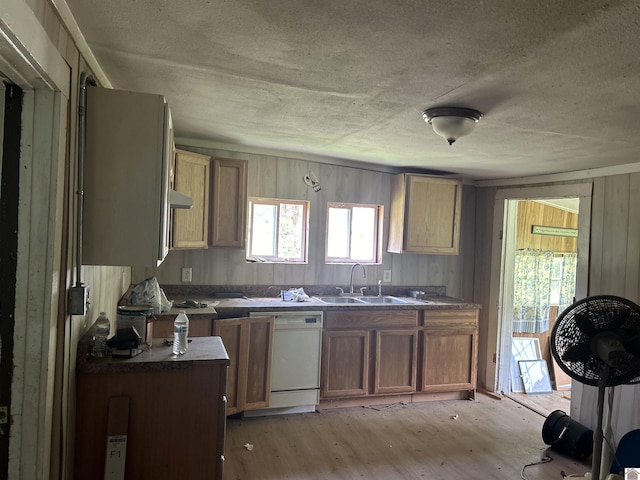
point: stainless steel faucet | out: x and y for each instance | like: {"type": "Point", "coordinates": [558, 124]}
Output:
{"type": "Point", "coordinates": [379, 288]}
{"type": "Point", "coordinates": [364, 274]}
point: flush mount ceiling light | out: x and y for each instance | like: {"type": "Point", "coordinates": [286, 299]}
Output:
{"type": "Point", "coordinates": [451, 123]}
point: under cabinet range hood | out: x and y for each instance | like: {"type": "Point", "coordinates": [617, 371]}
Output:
{"type": "Point", "coordinates": [127, 165]}
{"type": "Point", "coordinates": [178, 200]}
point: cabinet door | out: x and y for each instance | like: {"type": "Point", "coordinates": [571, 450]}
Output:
{"type": "Point", "coordinates": [449, 350]}
{"type": "Point", "coordinates": [395, 361]}
{"type": "Point", "coordinates": [425, 214]}
{"type": "Point", "coordinates": [259, 341]}
{"type": "Point", "coordinates": [229, 203]}
{"type": "Point", "coordinates": [345, 363]}
{"type": "Point", "coordinates": [230, 332]}
{"type": "Point", "coordinates": [126, 178]}
{"type": "Point", "coordinates": [190, 228]}
{"type": "Point", "coordinates": [249, 342]}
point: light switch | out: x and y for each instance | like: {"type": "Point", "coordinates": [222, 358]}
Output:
{"type": "Point", "coordinates": [187, 274]}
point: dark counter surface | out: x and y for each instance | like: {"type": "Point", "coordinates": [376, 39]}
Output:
{"type": "Point", "coordinates": [158, 357]}
{"type": "Point", "coordinates": [241, 306]}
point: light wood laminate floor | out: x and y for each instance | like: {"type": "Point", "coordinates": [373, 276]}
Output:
{"type": "Point", "coordinates": [489, 439]}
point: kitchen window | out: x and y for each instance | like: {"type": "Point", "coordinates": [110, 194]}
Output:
{"type": "Point", "coordinates": [354, 233]}
{"type": "Point", "coordinates": [277, 230]}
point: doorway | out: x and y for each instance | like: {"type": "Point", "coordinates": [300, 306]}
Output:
{"type": "Point", "coordinates": [560, 215]}
{"type": "Point", "coordinates": [10, 124]}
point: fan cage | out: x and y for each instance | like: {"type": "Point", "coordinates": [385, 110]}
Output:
{"type": "Point", "coordinates": [579, 323]}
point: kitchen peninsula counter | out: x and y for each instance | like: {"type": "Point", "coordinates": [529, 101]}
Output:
{"type": "Point", "coordinates": [162, 403]}
{"type": "Point", "coordinates": [159, 357]}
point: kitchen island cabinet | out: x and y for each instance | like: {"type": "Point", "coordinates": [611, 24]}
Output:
{"type": "Point", "coordinates": [425, 214]}
{"type": "Point", "coordinates": [175, 424]}
{"type": "Point", "coordinates": [351, 368]}
{"type": "Point", "coordinates": [249, 342]}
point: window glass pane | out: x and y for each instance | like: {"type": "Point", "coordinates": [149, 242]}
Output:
{"type": "Point", "coordinates": [339, 226]}
{"type": "Point", "coordinates": [556, 280]}
{"type": "Point", "coordinates": [264, 230]}
{"type": "Point", "coordinates": [352, 233]}
{"type": "Point", "coordinates": [277, 230]}
{"type": "Point", "coordinates": [290, 232]}
{"type": "Point", "coordinates": [362, 234]}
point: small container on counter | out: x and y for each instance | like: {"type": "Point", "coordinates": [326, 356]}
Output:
{"type": "Point", "coordinates": [138, 316]}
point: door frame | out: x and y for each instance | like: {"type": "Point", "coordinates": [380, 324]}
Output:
{"type": "Point", "coordinates": [502, 262]}
{"type": "Point", "coordinates": [29, 59]}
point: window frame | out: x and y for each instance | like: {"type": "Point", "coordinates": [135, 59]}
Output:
{"type": "Point", "coordinates": [277, 202]}
{"type": "Point", "coordinates": [378, 233]}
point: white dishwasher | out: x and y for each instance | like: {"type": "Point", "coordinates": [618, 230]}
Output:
{"type": "Point", "coordinates": [295, 362]}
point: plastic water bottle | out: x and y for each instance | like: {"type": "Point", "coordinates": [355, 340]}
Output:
{"type": "Point", "coordinates": [180, 333]}
{"type": "Point", "coordinates": [101, 330]}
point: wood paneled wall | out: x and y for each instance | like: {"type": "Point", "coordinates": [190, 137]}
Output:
{"type": "Point", "coordinates": [281, 177]}
{"type": "Point", "coordinates": [535, 213]}
{"type": "Point", "coordinates": [614, 268]}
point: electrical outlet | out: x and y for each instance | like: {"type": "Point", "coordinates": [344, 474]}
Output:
{"type": "Point", "coordinates": [387, 276]}
{"type": "Point", "coordinates": [78, 299]}
{"type": "Point", "coordinates": [187, 274]}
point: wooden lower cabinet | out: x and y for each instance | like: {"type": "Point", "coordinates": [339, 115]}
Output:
{"type": "Point", "coordinates": [175, 420]}
{"type": "Point", "coordinates": [396, 359]}
{"type": "Point", "coordinates": [345, 363]}
{"type": "Point", "coordinates": [449, 347]}
{"type": "Point", "coordinates": [198, 327]}
{"type": "Point", "coordinates": [369, 353]}
{"type": "Point", "coordinates": [249, 342]}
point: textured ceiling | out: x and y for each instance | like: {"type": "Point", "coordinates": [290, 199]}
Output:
{"type": "Point", "coordinates": [558, 81]}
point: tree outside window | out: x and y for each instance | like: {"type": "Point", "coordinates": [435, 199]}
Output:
{"type": "Point", "coordinates": [277, 230]}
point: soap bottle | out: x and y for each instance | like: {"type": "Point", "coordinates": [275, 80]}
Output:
{"type": "Point", "coordinates": [180, 333]}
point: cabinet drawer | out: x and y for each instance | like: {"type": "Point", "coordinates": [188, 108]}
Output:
{"type": "Point", "coordinates": [371, 319]}
{"type": "Point", "coordinates": [450, 319]}
{"type": "Point", "coordinates": [198, 327]}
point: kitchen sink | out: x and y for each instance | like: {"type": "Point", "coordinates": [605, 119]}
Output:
{"type": "Point", "coordinates": [382, 300]}
{"type": "Point", "coordinates": [337, 299]}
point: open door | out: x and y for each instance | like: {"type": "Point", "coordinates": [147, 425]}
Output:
{"type": "Point", "coordinates": [506, 226]}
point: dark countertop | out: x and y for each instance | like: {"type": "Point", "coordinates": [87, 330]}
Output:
{"type": "Point", "coordinates": [223, 307]}
{"type": "Point", "coordinates": [158, 357]}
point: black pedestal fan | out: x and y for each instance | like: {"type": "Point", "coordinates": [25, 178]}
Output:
{"type": "Point", "coordinates": [596, 341]}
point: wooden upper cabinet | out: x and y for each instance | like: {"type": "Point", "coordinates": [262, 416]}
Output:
{"type": "Point", "coordinates": [229, 203]}
{"type": "Point", "coordinates": [425, 214]}
{"type": "Point", "coordinates": [190, 228]}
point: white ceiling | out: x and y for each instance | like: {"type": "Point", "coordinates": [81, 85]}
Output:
{"type": "Point", "coordinates": [558, 81]}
